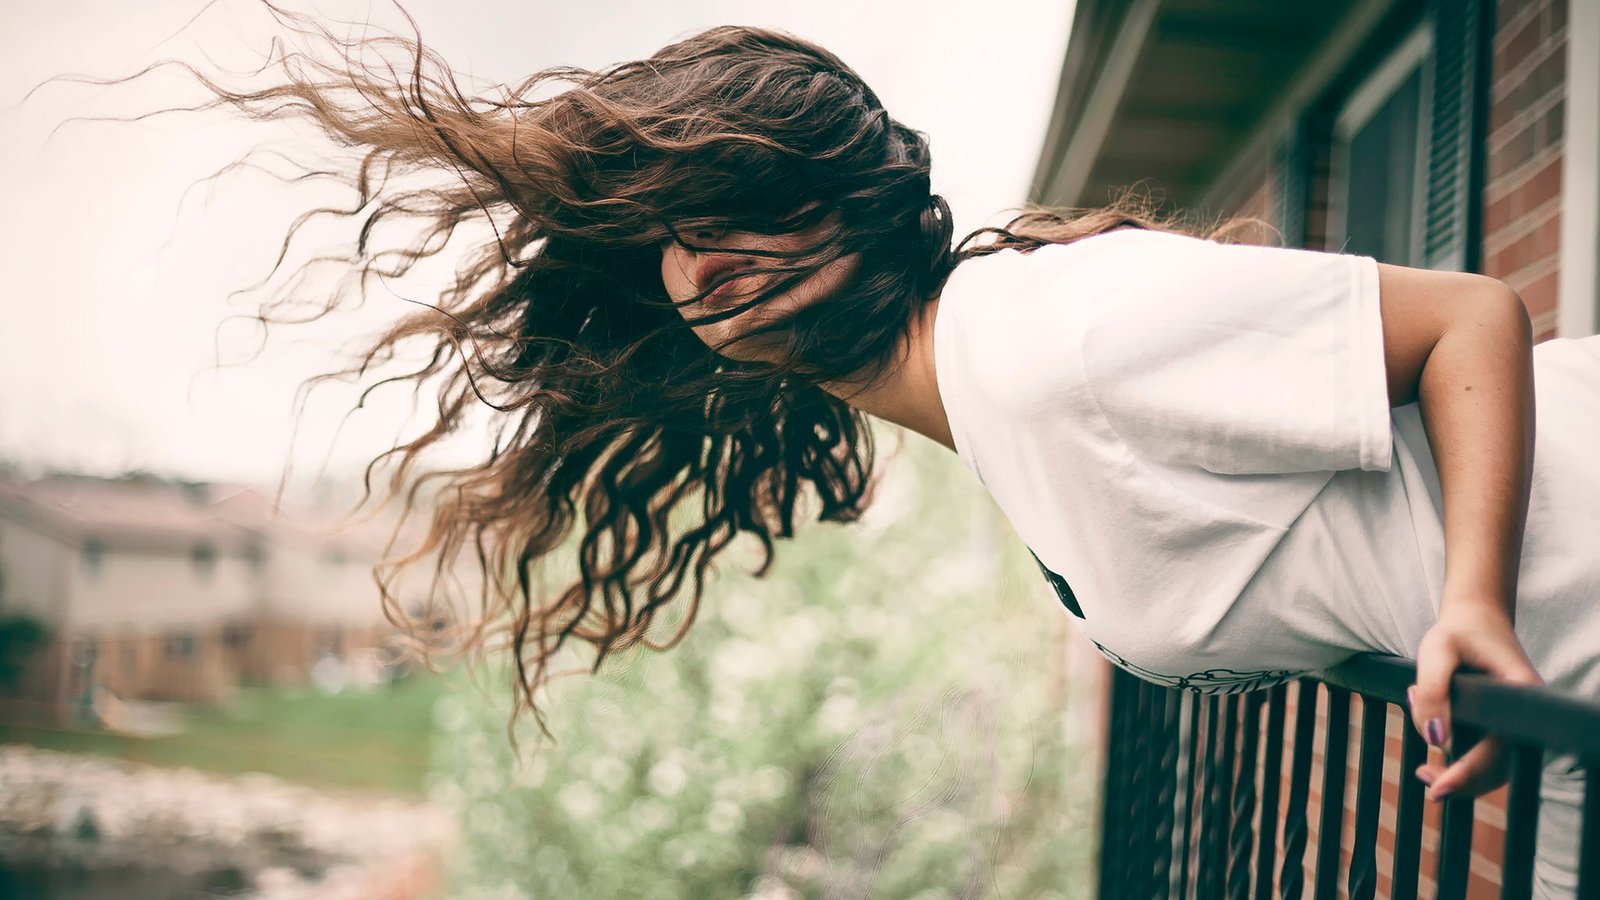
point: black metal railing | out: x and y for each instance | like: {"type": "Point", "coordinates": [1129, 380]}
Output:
{"type": "Point", "coordinates": [1182, 816]}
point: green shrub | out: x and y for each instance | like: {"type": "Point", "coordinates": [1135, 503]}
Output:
{"type": "Point", "coordinates": [20, 637]}
{"type": "Point", "coordinates": [880, 716]}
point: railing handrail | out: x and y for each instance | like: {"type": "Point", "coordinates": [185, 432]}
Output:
{"type": "Point", "coordinates": [1182, 757]}
{"type": "Point", "coordinates": [1541, 714]}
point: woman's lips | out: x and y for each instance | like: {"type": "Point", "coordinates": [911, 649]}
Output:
{"type": "Point", "coordinates": [722, 291]}
{"type": "Point", "coordinates": [714, 266]}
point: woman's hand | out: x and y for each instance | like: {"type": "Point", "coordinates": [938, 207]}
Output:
{"type": "Point", "coordinates": [1474, 632]}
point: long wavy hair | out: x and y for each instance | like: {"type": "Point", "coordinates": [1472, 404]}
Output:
{"type": "Point", "coordinates": [619, 436]}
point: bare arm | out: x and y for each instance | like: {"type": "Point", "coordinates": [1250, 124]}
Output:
{"type": "Point", "coordinates": [1461, 345]}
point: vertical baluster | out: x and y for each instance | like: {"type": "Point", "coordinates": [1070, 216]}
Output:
{"type": "Point", "coordinates": [1222, 818]}
{"type": "Point", "coordinates": [1272, 774]}
{"type": "Point", "coordinates": [1166, 799]}
{"type": "Point", "coordinates": [1181, 799]}
{"type": "Point", "coordinates": [1138, 816]}
{"type": "Point", "coordinates": [1455, 848]}
{"type": "Point", "coordinates": [1204, 874]}
{"type": "Point", "coordinates": [1408, 818]}
{"type": "Point", "coordinates": [1455, 838]}
{"type": "Point", "coordinates": [1150, 789]}
{"type": "Point", "coordinates": [1369, 794]}
{"type": "Point", "coordinates": [1112, 836]}
{"type": "Point", "coordinates": [1190, 777]}
{"type": "Point", "coordinates": [1589, 840]}
{"type": "Point", "coordinates": [1522, 822]}
{"type": "Point", "coordinates": [1291, 881]}
{"type": "Point", "coordinates": [1330, 828]}
{"type": "Point", "coordinates": [1244, 801]}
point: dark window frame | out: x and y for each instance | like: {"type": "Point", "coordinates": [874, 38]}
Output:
{"type": "Point", "coordinates": [1359, 111]}
{"type": "Point", "coordinates": [1459, 74]}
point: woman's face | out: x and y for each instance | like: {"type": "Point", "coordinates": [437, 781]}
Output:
{"type": "Point", "coordinates": [686, 272]}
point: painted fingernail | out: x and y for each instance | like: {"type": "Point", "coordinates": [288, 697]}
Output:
{"type": "Point", "coordinates": [1434, 732]}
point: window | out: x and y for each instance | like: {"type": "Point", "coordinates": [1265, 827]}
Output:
{"type": "Point", "coordinates": [182, 645]}
{"type": "Point", "coordinates": [94, 557]}
{"type": "Point", "coordinates": [205, 559]}
{"type": "Point", "coordinates": [84, 652]}
{"type": "Point", "coordinates": [255, 554]}
{"type": "Point", "coordinates": [1380, 158]}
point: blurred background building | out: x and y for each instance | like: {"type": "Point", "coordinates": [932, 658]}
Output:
{"type": "Point", "coordinates": [154, 589]}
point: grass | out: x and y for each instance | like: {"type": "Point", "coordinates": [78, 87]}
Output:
{"type": "Point", "coordinates": [378, 741]}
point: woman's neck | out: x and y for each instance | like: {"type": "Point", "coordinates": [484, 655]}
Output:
{"type": "Point", "coordinates": [908, 395]}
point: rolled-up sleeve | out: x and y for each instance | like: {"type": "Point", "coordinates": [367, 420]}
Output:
{"type": "Point", "coordinates": [1242, 359]}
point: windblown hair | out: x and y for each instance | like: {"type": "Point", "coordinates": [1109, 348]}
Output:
{"type": "Point", "coordinates": [611, 415]}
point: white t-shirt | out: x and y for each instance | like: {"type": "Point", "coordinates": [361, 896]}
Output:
{"type": "Point", "coordinates": [1195, 440]}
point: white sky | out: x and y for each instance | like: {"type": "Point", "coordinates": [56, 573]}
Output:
{"type": "Point", "coordinates": [113, 293]}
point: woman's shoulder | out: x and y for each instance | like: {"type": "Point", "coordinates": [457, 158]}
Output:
{"type": "Point", "coordinates": [1013, 265]}
{"type": "Point", "coordinates": [1011, 324]}
{"type": "Point", "coordinates": [1017, 314]}
{"type": "Point", "coordinates": [1083, 262]}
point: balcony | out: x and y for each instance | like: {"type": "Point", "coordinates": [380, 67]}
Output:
{"type": "Point", "coordinates": [1249, 795]}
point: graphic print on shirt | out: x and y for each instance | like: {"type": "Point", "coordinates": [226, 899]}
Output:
{"type": "Point", "coordinates": [1210, 681]}
{"type": "Point", "coordinates": [1062, 589]}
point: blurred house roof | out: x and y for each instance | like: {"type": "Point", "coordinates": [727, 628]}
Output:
{"type": "Point", "coordinates": [129, 512]}
{"type": "Point", "coordinates": [363, 535]}
{"type": "Point", "coordinates": [151, 513]}
{"type": "Point", "coordinates": [1171, 94]}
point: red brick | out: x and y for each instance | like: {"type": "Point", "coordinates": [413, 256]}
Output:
{"type": "Point", "coordinates": [1538, 244]}
{"type": "Point", "coordinates": [1496, 216]}
{"type": "Point", "coordinates": [1555, 124]}
{"type": "Point", "coordinates": [1508, 11]}
{"type": "Point", "coordinates": [1540, 188]}
{"type": "Point", "coordinates": [1519, 46]}
{"type": "Point", "coordinates": [1501, 112]}
{"type": "Point", "coordinates": [1515, 94]}
{"type": "Point", "coordinates": [1536, 189]}
{"type": "Point", "coordinates": [1539, 295]}
{"type": "Point", "coordinates": [1551, 73]}
{"type": "Point", "coordinates": [1481, 888]}
{"type": "Point", "coordinates": [1487, 839]}
{"type": "Point", "coordinates": [1514, 152]}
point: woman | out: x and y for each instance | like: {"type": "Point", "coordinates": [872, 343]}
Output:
{"type": "Point", "coordinates": [1233, 462]}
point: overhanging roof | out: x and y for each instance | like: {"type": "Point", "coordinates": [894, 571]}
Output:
{"type": "Point", "coordinates": [1167, 93]}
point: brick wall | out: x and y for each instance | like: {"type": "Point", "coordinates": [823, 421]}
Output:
{"type": "Point", "coordinates": [1522, 197]}
{"type": "Point", "coordinates": [1522, 221]}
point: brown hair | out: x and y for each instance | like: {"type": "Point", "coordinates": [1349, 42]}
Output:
{"type": "Point", "coordinates": [606, 400]}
